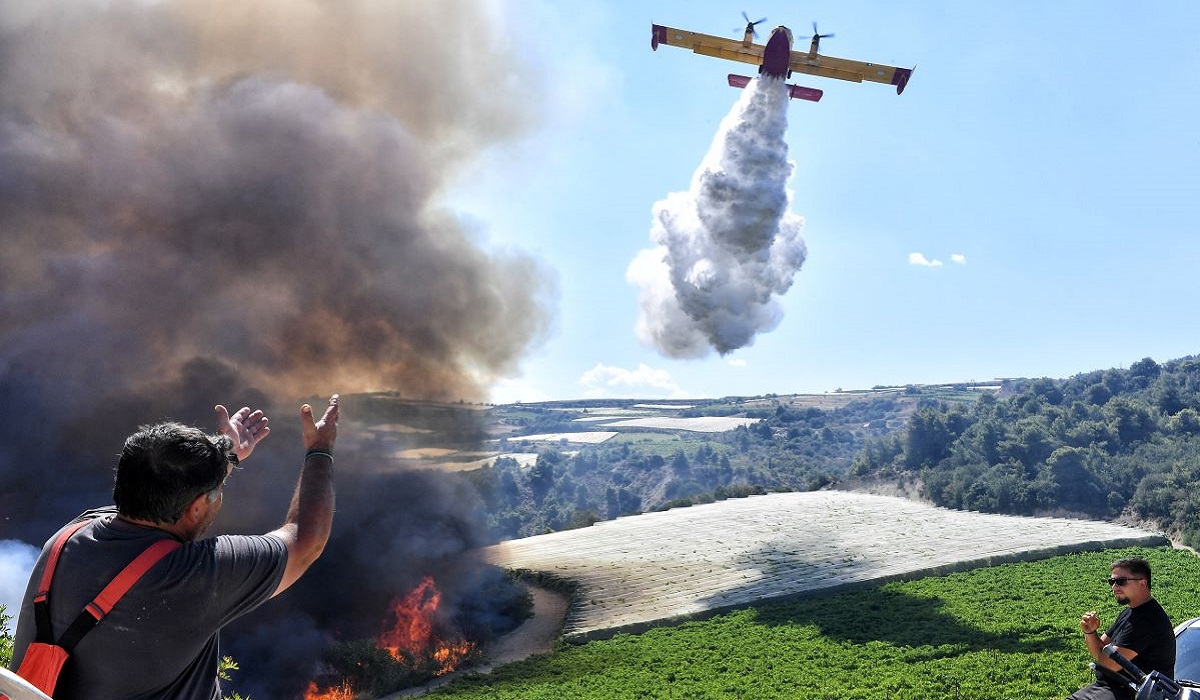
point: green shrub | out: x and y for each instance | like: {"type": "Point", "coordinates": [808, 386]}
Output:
{"type": "Point", "coordinates": [6, 639]}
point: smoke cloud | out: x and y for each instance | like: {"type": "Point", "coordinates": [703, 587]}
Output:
{"type": "Point", "coordinates": [209, 201]}
{"type": "Point", "coordinates": [202, 198]}
{"type": "Point", "coordinates": [16, 561]}
{"type": "Point", "coordinates": [256, 183]}
{"type": "Point", "coordinates": [728, 246]}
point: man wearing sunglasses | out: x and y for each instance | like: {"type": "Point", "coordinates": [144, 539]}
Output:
{"type": "Point", "coordinates": [1142, 633]}
{"type": "Point", "coordinates": [159, 640]}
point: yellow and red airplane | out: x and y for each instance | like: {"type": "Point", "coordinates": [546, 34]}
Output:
{"type": "Point", "coordinates": [777, 59]}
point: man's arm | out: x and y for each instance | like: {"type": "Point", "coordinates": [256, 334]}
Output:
{"type": "Point", "coordinates": [1096, 640]}
{"type": "Point", "coordinates": [1095, 644]}
{"type": "Point", "coordinates": [310, 517]}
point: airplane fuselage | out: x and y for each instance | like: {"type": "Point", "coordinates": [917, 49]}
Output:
{"type": "Point", "coordinates": [777, 53]}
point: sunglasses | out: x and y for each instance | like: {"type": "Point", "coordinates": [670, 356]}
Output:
{"type": "Point", "coordinates": [1122, 580]}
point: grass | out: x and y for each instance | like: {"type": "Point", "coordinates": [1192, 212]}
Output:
{"type": "Point", "coordinates": [1009, 631]}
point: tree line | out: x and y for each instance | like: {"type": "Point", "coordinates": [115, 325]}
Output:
{"type": "Point", "coordinates": [1109, 444]}
{"type": "Point", "coordinates": [569, 486]}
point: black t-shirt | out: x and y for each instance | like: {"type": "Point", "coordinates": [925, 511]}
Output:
{"type": "Point", "coordinates": [1147, 630]}
{"type": "Point", "coordinates": [160, 640]}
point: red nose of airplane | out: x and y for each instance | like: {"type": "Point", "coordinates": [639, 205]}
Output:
{"type": "Point", "coordinates": [777, 53]}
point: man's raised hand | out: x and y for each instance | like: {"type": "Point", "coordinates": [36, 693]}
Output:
{"type": "Point", "coordinates": [245, 428]}
{"type": "Point", "coordinates": [320, 435]}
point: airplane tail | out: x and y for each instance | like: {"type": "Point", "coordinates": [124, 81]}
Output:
{"type": "Point", "coordinates": [796, 92]}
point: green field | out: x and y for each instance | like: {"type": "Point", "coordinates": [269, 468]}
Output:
{"type": "Point", "coordinates": [1009, 631]}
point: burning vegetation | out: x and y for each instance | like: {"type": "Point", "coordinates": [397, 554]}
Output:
{"type": "Point", "coordinates": [341, 692]}
{"type": "Point", "coordinates": [413, 640]}
{"type": "Point", "coordinates": [421, 638]}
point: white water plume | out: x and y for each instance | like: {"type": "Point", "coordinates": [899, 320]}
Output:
{"type": "Point", "coordinates": [729, 246]}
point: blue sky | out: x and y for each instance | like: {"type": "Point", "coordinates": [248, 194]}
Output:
{"type": "Point", "coordinates": [1043, 154]}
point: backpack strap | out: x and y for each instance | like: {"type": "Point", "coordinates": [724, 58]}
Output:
{"type": "Point", "coordinates": [100, 606]}
{"type": "Point", "coordinates": [104, 601]}
{"type": "Point", "coordinates": [41, 601]}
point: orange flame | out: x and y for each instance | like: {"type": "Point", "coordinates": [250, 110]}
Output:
{"type": "Point", "coordinates": [341, 692]}
{"type": "Point", "coordinates": [412, 637]}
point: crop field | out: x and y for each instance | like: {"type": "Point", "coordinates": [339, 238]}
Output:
{"type": "Point", "coordinates": [594, 437]}
{"type": "Point", "coordinates": [821, 401]}
{"type": "Point", "coordinates": [657, 442]}
{"type": "Point", "coordinates": [642, 570]}
{"type": "Point", "coordinates": [1004, 632]}
{"type": "Point", "coordinates": [467, 461]}
{"type": "Point", "coordinates": [610, 411]}
{"type": "Point", "coordinates": [700, 424]}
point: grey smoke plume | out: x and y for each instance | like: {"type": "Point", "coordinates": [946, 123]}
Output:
{"type": "Point", "coordinates": [16, 561]}
{"type": "Point", "coordinates": [251, 189]}
{"type": "Point", "coordinates": [257, 183]}
{"type": "Point", "coordinates": [728, 246]}
{"type": "Point", "coordinates": [211, 201]}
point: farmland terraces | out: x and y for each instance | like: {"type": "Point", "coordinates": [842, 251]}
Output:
{"type": "Point", "coordinates": [666, 566]}
{"type": "Point", "coordinates": [826, 594]}
{"type": "Point", "coordinates": [558, 465]}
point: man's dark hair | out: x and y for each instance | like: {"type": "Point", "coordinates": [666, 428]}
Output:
{"type": "Point", "coordinates": [1136, 566]}
{"type": "Point", "coordinates": [164, 467]}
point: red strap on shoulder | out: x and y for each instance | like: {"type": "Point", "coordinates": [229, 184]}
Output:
{"type": "Point", "coordinates": [103, 603]}
{"type": "Point", "coordinates": [52, 559]}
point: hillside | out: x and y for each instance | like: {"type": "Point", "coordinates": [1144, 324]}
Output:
{"type": "Point", "coordinates": [1116, 444]}
{"type": "Point", "coordinates": [647, 569]}
{"type": "Point", "coordinates": [558, 465]}
{"type": "Point", "coordinates": [1006, 631]}
{"type": "Point", "coordinates": [1110, 444]}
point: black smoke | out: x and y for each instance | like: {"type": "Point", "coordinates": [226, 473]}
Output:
{"type": "Point", "coordinates": [392, 528]}
{"type": "Point", "coordinates": [243, 203]}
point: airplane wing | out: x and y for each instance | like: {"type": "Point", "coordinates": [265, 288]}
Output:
{"type": "Point", "coordinates": [706, 44]}
{"type": "Point", "coordinates": [846, 69]}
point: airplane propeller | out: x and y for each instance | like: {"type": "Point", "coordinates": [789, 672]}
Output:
{"type": "Point", "coordinates": [750, 25]}
{"type": "Point", "coordinates": [818, 36]}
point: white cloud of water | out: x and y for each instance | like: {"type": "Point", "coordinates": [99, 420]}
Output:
{"type": "Point", "coordinates": [728, 247]}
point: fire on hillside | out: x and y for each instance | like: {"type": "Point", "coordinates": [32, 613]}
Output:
{"type": "Point", "coordinates": [418, 636]}
{"type": "Point", "coordinates": [344, 691]}
{"type": "Point", "coordinates": [415, 640]}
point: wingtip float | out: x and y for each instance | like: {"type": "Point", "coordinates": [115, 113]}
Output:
{"type": "Point", "coordinates": [777, 59]}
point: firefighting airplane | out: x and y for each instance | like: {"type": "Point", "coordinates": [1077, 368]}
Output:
{"type": "Point", "coordinates": [777, 58]}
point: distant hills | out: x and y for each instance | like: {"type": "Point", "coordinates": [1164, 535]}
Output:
{"type": "Point", "coordinates": [1116, 444]}
{"type": "Point", "coordinates": [557, 465]}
